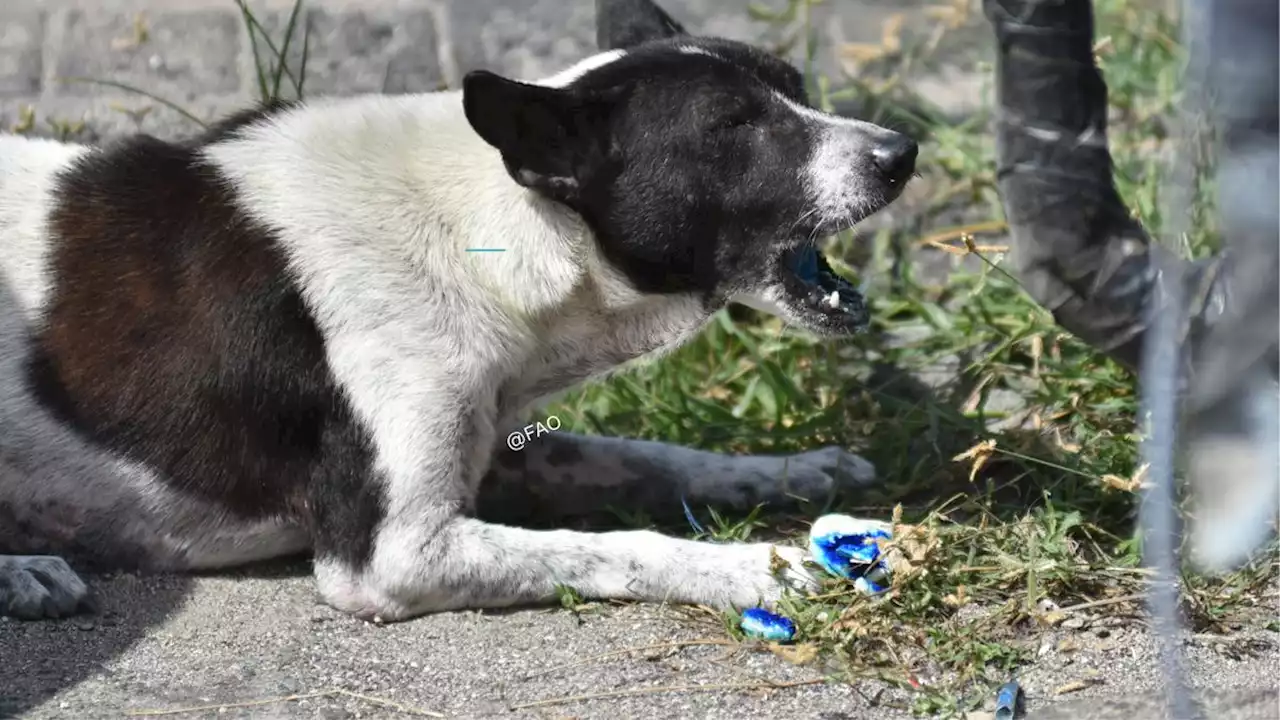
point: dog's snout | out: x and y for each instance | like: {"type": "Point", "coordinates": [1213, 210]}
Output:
{"type": "Point", "coordinates": [896, 158]}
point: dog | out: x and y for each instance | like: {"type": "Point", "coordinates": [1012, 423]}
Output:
{"type": "Point", "coordinates": [272, 339]}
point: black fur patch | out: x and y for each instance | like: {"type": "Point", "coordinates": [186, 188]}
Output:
{"type": "Point", "coordinates": [701, 205]}
{"type": "Point", "coordinates": [683, 156]}
{"type": "Point", "coordinates": [175, 337]}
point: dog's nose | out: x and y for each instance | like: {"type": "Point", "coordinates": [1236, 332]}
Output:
{"type": "Point", "coordinates": [896, 158]}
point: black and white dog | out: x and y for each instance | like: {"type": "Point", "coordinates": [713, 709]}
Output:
{"type": "Point", "coordinates": [273, 339]}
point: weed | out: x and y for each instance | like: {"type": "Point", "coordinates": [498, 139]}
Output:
{"type": "Point", "coordinates": [569, 598]}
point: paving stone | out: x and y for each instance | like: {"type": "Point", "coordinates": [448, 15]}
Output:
{"type": "Point", "coordinates": [730, 20]}
{"type": "Point", "coordinates": [110, 115]}
{"type": "Point", "coordinates": [21, 43]}
{"type": "Point", "coordinates": [202, 55]}
{"type": "Point", "coordinates": [415, 65]}
{"type": "Point", "coordinates": [184, 56]}
{"type": "Point", "coordinates": [364, 51]}
{"type": "Point", "coordinates": [528, 40]}
{"type": "Point", "coordinates": [535, 39]}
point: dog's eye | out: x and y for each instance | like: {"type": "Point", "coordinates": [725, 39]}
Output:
{"type": "Point", "coordinates": [733, 122]}
{"type": "Point", "coordinates": [730, 124]}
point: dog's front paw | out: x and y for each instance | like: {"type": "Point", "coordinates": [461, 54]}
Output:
{"type": "Point", "coordinates": [33, 587]}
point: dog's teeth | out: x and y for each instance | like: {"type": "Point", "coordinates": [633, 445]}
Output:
{"type": "Point", "coordinates": [834, 299]}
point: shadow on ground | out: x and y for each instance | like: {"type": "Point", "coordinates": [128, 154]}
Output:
{"type": "Point", "coordinates": [43, 658]}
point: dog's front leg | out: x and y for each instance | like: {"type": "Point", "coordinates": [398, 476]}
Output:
{"type": "Point", "coordinates": [557, 476]}
{"type": "Point", "coordinates": [466, 563]}
{"type": "Point", "coordinates": [425, 553]}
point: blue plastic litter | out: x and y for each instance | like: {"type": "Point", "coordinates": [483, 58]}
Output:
{"type": "Point", "coordinates": [843, 546]}
{"type": "Point", "coordinates": [762, 624]}
{"type": "Point", "coordinates": [849, 548]}
{"type": "Point", "coordinates": [1008, 701]}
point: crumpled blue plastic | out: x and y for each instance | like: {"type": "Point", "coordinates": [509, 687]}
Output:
{"type": "Point", "coordinates": [843, 546]}
{"type": "Point", "coordinates": [762, 624]}
{"type": "Point", "coordinates": [847, 547]}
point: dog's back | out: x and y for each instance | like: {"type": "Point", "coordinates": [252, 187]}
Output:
{"type": "Point", "coordinates": [60, 493]}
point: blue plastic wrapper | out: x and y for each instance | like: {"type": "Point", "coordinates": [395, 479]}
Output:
{"type": "Point", "coordinates": [848, 547]}
{"type": "Point", "coordinates": [843, 546]}
{"type": "Point", "coordinates": [1009, 701]}
{"type": "Point", "coordinates": [762, 624]}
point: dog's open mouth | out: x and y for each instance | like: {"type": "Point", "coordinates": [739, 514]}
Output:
{"type": "Point", "coordinates": [819, 296]}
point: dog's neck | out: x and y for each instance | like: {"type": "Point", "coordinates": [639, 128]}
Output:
{"type": "Point", "coordinates": [400, 190]}
{"type": "Point", "coordinates": [407, 176]}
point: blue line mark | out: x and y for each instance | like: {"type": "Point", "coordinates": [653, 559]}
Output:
{"type": "Point", "coordinates": [688, 514]}
{"type": "Point", "coordinates": [486, 249]}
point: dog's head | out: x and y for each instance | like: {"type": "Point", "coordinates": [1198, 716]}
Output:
{"type": "Point", "coordinates": [698, 164]}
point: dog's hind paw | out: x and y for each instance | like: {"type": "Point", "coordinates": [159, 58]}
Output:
{"type": "Point", "coordinates": [841, 469]}
{"type": "Point", "coordinates": [34, 587]}
{"type": "Point", "coordinates": [743, 481]}
{"type": "Point", "coordinates": [812, 476]}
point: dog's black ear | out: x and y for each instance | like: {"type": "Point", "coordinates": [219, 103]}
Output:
{"type": "Point", "coordinates": [621, 24]}
{"type": "Point", "coordinates": [550, 138]}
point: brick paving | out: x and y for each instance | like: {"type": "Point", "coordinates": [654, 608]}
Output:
{"type": "Point", "coordinates": [197, 53]}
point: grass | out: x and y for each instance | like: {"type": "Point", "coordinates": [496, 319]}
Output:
{"type": "Point", "coordinates": [1002, 520]}
{"type": "Point", "coordinates": [994, 518]}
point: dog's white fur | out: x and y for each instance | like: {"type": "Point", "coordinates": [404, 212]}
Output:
{"type": "Point", "coordinates": [27, 168]}
{"type": "Point", "coordinates": [376, 201]}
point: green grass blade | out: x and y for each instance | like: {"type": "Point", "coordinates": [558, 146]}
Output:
{"type": "Point", "coordinates": [306, 53]}
{"type": "Point", "coordinates": [283, 54]}
{"type": "Point", "coordinates": [279, 57]}
{"type": "Point", "coordinates": [250, 24]}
